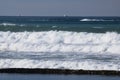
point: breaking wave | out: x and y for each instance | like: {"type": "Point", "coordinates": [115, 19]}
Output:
{"type": "Point", "coordinates": [85, 19]}
{"type": "Point", "coordinates": [8, 24]}
{"type": "Point", "coordinates": [60, 41]}
{"type": "Point", "coordinates": [58, 49]}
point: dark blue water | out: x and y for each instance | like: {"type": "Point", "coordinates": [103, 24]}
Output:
{"type": "Point", "coordinates": [55, 77]}
{"type": "Point", "coordinates": [76, 24]}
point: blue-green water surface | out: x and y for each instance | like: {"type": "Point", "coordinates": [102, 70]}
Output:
{"type": "Point", "coordinates": [55, 77]}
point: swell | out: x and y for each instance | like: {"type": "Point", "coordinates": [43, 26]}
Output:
{"type": "Point", "coordinates": [75, 27]}
{"type": "Point", "coordinates": [60, 23]}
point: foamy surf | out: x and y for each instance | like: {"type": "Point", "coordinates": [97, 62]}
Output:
{"type": "Point", "coordinates": [74, 43]}
{"type": "Point", "coordinates": [85, 19]}
{"type": "Point", "coordinates": [7, 24]}
{"type": "Point", "coordinates": [60, 50]}
{"type": "Point", "coordinates": [74, 65]}
{"type": "Point", "coordinates": [60, 41]}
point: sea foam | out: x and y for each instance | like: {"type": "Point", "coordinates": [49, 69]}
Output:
{"type": "Point", "coordinates": [8, 24]}
{"type": "Point", "coordinates": [85, 19]}
{"type": "Point", "coordinates": [60, 50]}
{"type": "Point", "coordinates": [76, 65]}
{"type": "Point", "coordinates": [60, 41]}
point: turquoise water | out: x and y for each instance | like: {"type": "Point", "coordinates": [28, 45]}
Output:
{"type": "Point", "coordinates": [55, 77]}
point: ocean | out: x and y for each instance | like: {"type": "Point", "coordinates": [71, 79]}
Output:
{"type": "Point", "coordinates": [87, 43]}
{"type": "Point", "coordinates": [55, 77]}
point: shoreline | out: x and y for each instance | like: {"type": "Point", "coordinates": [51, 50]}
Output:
{"type": "Point", "coordinates": [59, 71]}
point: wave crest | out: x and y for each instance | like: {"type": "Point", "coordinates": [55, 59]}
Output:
{"type": "Point", "coordinates": [61, 41]}
{"type": "Point", "coordinates": [8, 24]}
{"type": "Point", "coordinates": [85, 19]}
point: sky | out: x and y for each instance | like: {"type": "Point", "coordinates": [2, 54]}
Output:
{"type": "Point", "coordinates": [60, 7]}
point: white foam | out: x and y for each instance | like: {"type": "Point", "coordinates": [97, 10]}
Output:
{"type": "Point", "coordinates": [85, 19]}
{"type": "Point", "coordinates": [7, 24]}
{"type": "Point", "coordinates": [61, 41]}
{"type": "Point", "coordinates": [60, 49]}
{"type": "Point", "coordinates": [90, 20]}
{"type": "Point", "coordinates": [85, 65]}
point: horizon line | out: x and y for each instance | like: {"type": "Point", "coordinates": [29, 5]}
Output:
{"type": "Point", "coordinates": [50, 16]}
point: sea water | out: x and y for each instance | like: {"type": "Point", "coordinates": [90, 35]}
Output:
{"type": "Point", "coordinates": [55, 77]}
{"type": "Point", "coordinates": [88, 43]}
